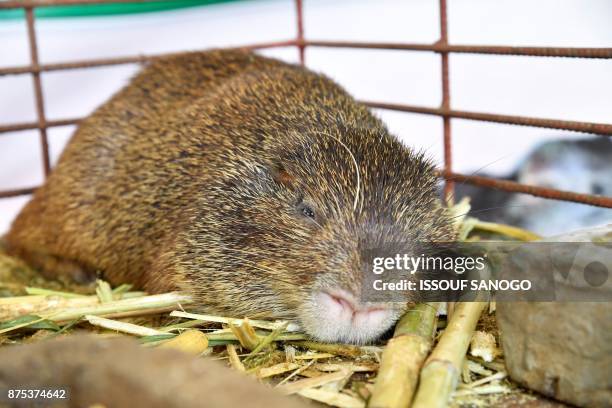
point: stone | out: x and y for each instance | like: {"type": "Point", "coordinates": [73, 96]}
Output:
{"type": "Point", "coordinates": [564, 349]}
{"type": "Point", "coordinates": [122, 373]}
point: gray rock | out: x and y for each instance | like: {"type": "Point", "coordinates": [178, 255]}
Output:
{"type": "Point", "coordinates": [564, 349]}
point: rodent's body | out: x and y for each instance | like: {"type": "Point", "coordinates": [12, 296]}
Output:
{"type": "Point", "coordinates": [252, 184]}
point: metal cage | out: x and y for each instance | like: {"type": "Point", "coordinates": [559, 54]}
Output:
{"type": "Point", "coordinates": [445, 110]}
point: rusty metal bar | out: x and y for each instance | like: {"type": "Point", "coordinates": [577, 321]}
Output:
{"type": "Point", "coordinates": [565, 52]}
{"type": "Point", "coordinates": [16, 127]}
{"type": "Point", "coordinates": [504, 185]}
{"type": "Point", "coordinates": [449, 187]}
{"type": "Point", "coordinates": [604, 53]}
{"type": "Point", "coordinates": [299, 11]}
{"type": "Point", "coordinates": [603, 129]}
{"type": "Point", "coordinates": [511, 186]}
{"type": "Point", "coordinates": [18, 192]}
{"type": "Point", "coordinates": [60, 66]}
{"type": "Point", "coordinates": [101, 62]}
{"type": "Point", "coordinates": [38, 94]}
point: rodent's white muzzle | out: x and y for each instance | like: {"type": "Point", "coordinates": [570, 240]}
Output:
{"type": "Point", "coordinates": [337, 316]}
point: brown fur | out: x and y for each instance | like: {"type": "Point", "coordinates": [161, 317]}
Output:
{"type": "Point", "coordinates": [194, 177]}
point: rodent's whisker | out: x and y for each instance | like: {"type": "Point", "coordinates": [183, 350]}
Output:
{"type": "Point", "coordinates": [478, 170]}
{"type": "Point", "coordinates": [488, 209]}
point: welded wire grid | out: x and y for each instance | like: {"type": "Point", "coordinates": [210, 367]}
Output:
{"type": "Point", "coordinates": [445, 110]}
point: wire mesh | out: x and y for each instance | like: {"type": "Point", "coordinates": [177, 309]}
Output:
{"type": "Point", "coordinates": [445, 110]}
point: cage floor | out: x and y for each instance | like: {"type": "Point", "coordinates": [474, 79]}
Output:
{"type": "Point", "coordinates": [16, 276]}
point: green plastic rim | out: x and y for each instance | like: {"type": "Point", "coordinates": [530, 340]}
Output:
{"type": "Point", "coordinates": [107, 9]}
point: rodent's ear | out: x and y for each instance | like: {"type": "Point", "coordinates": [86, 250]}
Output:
{"type": "Point", "coordinates": [282, 176]}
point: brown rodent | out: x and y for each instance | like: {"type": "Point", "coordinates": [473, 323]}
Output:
{"type": "Point", "coordinates": [252, 184]}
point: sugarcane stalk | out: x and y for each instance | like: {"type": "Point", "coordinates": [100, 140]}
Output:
{"type": "Point", "coordinates": [180, 326]}
{"type": "Point", "coordinates": [125, 307]}
{"type": "Point", "coordinates": [403, 357]}
{"type": "Point", "coordinates": [47, 303]}
{"type": "Point", "coordinates": [48, 292]}
{"type": "Point", "coordinates": [262, 324]}
{"type": "Point", "coordinates": [13, 307]}
{"type": "Point", "coordinates": [228, 335]}
{"type": "Point", "coordinates": [61, 310]}
{"type": "Point", "coordinates": [122, 327]}
{"type": "Point", "coordinates": [440, 372]}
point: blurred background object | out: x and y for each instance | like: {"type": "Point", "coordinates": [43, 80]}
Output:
{"type": "Point", "coordinates": [579, 165]}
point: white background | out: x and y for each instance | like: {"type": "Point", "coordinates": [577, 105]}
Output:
{"type": "Point", "coordinates": [555, 88]}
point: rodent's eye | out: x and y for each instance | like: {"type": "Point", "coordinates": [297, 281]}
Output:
{"type": "Point", "coordinates": [308, 212]}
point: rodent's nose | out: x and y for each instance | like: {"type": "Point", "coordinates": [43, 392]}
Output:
{"type": "Point", "coordinates": [335, 315]}
{"type": "Point", "coordinates": [344, 305]}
